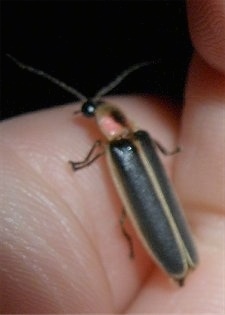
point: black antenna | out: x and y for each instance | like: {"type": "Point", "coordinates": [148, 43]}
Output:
{"type": "Point", "coordinates": [103, 91]}
{"type": "Point", "coordinates": [109, 87]}
{"type": "Point", "coordinates": [47, 76]}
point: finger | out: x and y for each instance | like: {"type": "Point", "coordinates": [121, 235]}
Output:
{"type": "Point", "coordinates": [207, 25]}
{"type": "Point", "coordinates": [75, 254]}
{"type": "Point", "coordinates": [49, 263]}
{"type": "Point", "coordinates": [199, 176]}
{"type": "Point", "coordinates": [203, 134]}
{"type": "Point", "coordinates": [82, 210]}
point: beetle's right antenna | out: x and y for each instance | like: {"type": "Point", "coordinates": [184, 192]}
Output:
{"type": "Point", "coordinates": [47, 76]}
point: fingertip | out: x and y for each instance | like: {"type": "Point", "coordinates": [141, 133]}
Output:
{"type": "Point", "coordinates": [207, 24]}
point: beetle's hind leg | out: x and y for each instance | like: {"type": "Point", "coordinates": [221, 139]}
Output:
{"type": "Point", "coordinates": [126, 234]}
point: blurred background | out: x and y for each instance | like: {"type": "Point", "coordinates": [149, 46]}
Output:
{"type": "Point", "coordinates": [88, 43]}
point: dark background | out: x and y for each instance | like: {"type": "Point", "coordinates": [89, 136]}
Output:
{"type": "Point", "coordinates": [86, 44]}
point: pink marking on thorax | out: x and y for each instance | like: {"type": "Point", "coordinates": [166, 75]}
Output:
{"type": "Point", "coordinates": [110, 128]}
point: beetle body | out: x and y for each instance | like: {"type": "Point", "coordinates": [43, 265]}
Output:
{"type": "Point", "coordinates": [140, 178]}
{"type": "Point", "coordinates": [146, 192]}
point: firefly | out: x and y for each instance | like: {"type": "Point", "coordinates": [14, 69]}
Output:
{"type": "Point", "coordinates": [146, 193]}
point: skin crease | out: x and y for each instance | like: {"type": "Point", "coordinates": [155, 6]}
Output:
{"type": "Point", "coordinates": [62, 250]}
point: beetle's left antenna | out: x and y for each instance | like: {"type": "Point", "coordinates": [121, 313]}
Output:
{"type": "Point", "coordinates": [106, 89]}
{"type": "Point", "coordinates": [47, 76]}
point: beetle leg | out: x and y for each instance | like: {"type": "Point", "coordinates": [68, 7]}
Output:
{"type": "Point", "coordinates": [127, 235]}
{"type": "Point", "coordinates": [165, 151]}
{"type": "Point", "coordinates": [89, 159]}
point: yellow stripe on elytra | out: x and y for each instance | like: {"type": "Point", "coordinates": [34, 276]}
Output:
{"type": "Point", "coordinates": [186, 257]}
{"type": "Point", "coordinates": [128, 208]}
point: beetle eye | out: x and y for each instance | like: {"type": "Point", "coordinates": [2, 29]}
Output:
{"type": "Point", "coordinates": [88, 108]}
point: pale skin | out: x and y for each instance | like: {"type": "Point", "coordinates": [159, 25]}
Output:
{"type": "Point", "coordinates": [62, 249]}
